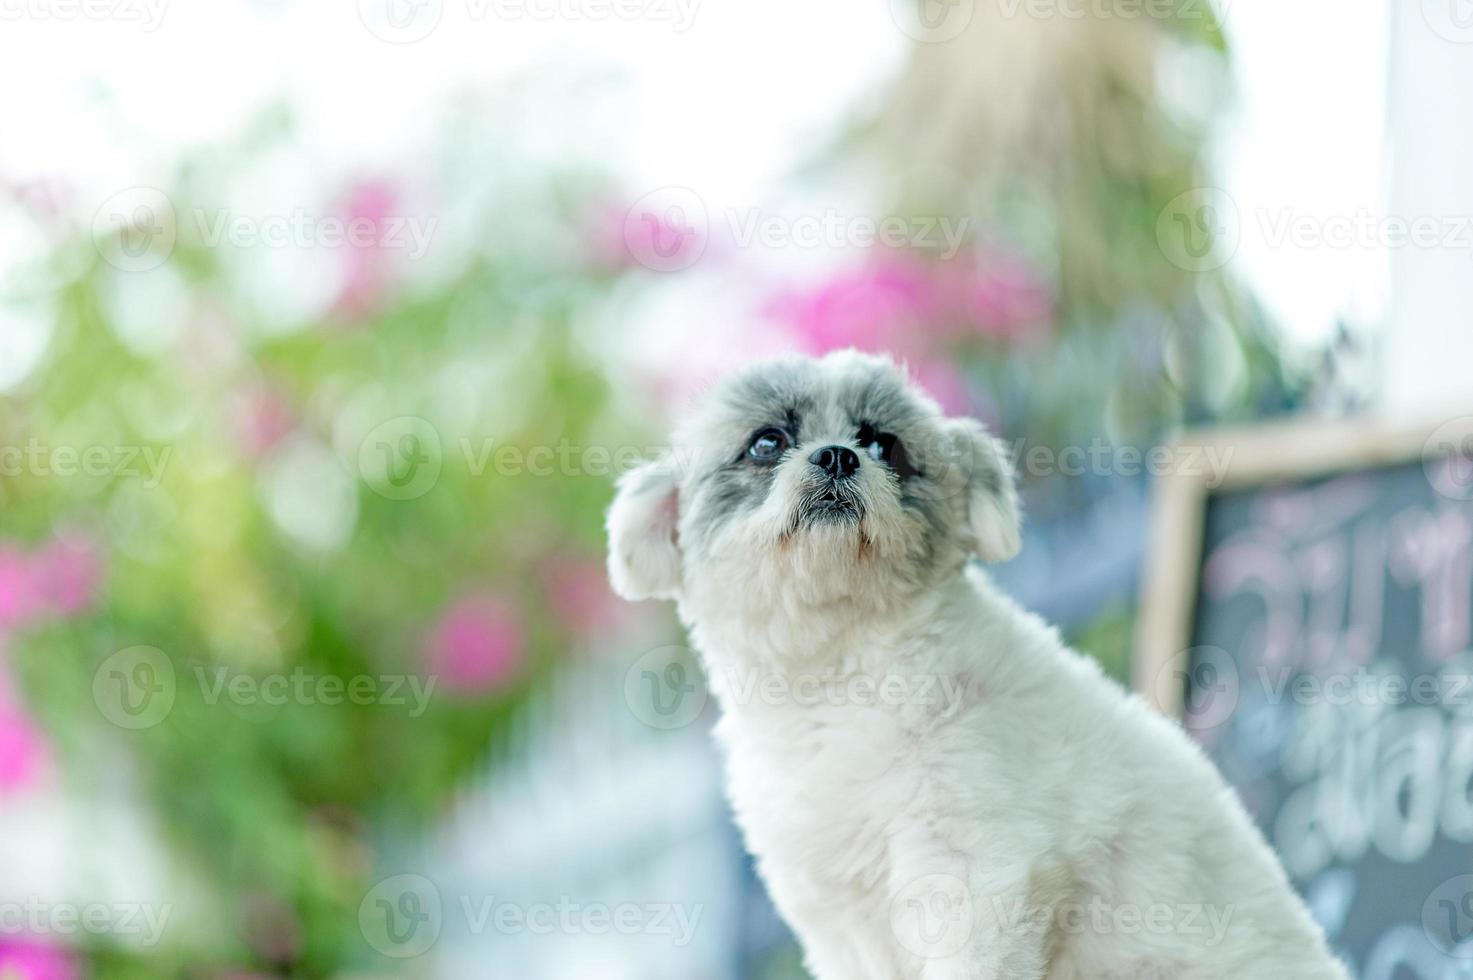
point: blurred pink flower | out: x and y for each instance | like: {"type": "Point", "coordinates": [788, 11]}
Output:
{"type": "Point", "coordinates": [368, 273]}
{"type": "Point", "coordinates": [999, 295]}
{"type": "Point", "coordinates": [908, 307]}
{"type": "Point", "coordinates": [262, 419]}
{"type": "Point", "coordinates": [478, 644]}
{"type": "Point", "coordinates": [46, 197]}
{"type": "Point", "coordinates": [35, 959]}
{"type": "Point", "coordinates": [69, 571]}
{"type": "Point", "coordinates": [21, 601]}
{"type": "Point", "coordinates": [59, 580]}
{"type": "Point", "coordinates": [578, 592]}
{"type": "Point", "coordinates": [881, 307]}
{"type": "Point", "coordinates": [24, 754]}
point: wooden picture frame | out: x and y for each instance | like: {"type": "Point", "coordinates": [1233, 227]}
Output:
{"type": "Point", "coordinates": [1250, 457]}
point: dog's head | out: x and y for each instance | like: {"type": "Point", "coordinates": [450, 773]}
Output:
{"type": "Point", "coordinates": [803, 487]}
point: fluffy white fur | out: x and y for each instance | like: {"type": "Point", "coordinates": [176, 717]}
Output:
{"type": "Point", "coordinates": [933, 785]}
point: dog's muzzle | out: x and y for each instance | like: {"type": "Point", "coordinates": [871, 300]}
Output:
{"type": "Point", "coordinates": [831, 497]}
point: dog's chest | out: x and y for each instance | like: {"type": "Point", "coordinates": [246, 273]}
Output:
{"type": "Point", "coordinates": [817, 794]}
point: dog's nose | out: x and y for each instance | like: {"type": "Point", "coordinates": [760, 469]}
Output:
{"type": "Point", "coordinates": [837, 461]}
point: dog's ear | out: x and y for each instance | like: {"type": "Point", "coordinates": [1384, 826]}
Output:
{"type": "Point", "coordinates": [644, 549]}
{"type": "Point", "coordinates": [993, 517]}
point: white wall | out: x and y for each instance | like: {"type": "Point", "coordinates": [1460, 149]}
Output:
{"type": "Point", "coordinates": [1429, 347]}
{"type": "Point", "coordinates": [1303, 160]}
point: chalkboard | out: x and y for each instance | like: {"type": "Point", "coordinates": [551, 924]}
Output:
{"type": "Point", "coordinates": [1308, 614]}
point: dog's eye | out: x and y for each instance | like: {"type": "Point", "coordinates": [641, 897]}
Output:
{"type": "Point", "coordinates": [883, 447]}
{"type": "Point", "coordinates": [768, 446]}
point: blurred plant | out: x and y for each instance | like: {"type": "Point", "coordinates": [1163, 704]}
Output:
{"type": "Point", "coordinates": [295, 478]}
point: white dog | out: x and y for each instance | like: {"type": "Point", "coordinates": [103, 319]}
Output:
{"type": "Point", "coordinates": [933, 785]}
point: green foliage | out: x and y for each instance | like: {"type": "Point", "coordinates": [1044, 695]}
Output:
{"type": "Point", "coordinates": [276, 805]}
